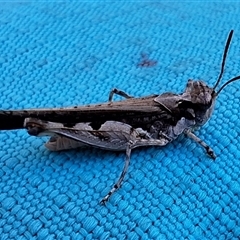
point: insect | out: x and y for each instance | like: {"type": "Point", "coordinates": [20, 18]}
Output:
{"type": "Point", "coordinates": [154, 120]}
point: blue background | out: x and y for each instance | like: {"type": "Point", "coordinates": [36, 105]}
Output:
{"type": "Point", "coordinates": [64, 54]}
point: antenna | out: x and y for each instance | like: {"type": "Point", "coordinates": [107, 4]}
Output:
{"type": "Point", "coordinates": [225, 84]}
{"type": "Point", "coordinates": [224, 59]}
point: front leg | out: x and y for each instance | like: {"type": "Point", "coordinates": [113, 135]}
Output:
{"type": "Point", "coordinates": [118, 92]}
{"type": "Point", "coordinates": [209, 151]}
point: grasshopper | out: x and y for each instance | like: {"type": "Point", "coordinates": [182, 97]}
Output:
{"type": "Point", "coordinates": [154, 120]}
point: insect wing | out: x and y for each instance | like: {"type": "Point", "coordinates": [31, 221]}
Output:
{"type": "Point", "coordinates": [111, 135]}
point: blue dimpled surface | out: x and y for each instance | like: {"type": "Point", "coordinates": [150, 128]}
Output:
{"type": "Point", "coordinates": [68, 53]}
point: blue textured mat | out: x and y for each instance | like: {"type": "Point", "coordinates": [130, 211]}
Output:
{"type": "Point", "coordinates": [64, 54]}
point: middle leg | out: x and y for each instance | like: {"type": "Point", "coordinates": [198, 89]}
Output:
{"type": "Point", "coordinates": [118, 92]}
